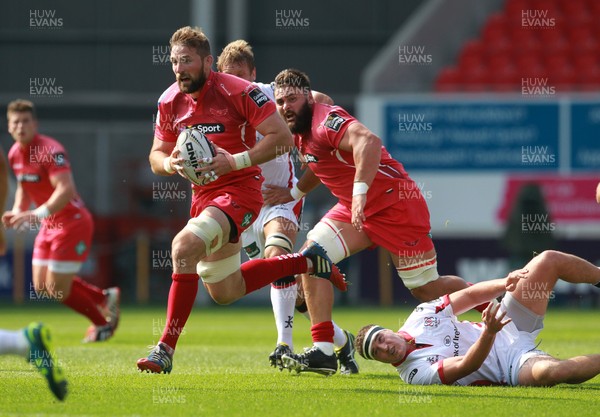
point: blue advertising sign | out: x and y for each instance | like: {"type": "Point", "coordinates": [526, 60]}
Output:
{"type": "Point", "coordinates": [585, 135]}
{"type": "Point", "coordinates": [474, 135]}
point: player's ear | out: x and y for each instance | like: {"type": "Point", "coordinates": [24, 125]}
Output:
{"type": "Point", "coordinates": [208, 60]}
{"type": "Point", "coordinates": [253, 74]}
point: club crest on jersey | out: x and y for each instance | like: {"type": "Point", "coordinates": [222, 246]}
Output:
{"type": "Point", "coordinates": [258, 97]}
{"type": "Point", "coordinates": [208, 128]}
{"type": "Point", "coordinates": [431, 322]}
{"type": "Point", "coordinates": [247, 220]}
{"type": "Point", "coordinates": [310, 159]}
{"type": "Point", "coordinates": [433, 359]}
{"type": "Point", "coordinates": [334, 121]}
{"type": "Point", "coordinates": [252, 250]}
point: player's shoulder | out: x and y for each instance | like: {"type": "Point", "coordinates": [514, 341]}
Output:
{"type": "Point", "coordinates": [170, 94]}
{"type": "Point", "coordinates": [13, 150]}
{"type": "Point", "coordinates": [330, 117]}
{"type": "Point", "coordinates": [238, 88]}
{"type": "Point", "coordinates": [49, 144]}
{"type": "Point", "coordinates": [230, 84]}
{"type": "Point", "coordinates": [268, 89]}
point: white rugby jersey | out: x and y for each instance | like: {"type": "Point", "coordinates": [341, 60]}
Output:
{"type": "Point", "coordinates": [439, 335]}
{"type": "Point", "coordinates": [278, 171]}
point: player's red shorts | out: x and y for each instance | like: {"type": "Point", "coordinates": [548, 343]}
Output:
{"type": "Point", "coordinates": [401, 228]}
{"type": "Point", "coordinates": [241, 202]}
{"type": "Point", "coordinates": [64, 238]}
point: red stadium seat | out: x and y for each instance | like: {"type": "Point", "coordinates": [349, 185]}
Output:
{"type": "Point", "coordinates": [476, 79]}
{"type": "Point", "coordinates": [495, 27]}
{"type": "Point", "coordinates": [472, 54]}
{"type": "Point", "coordinates": [563, 79]}
{"type": "Point", "coordinates": [505, 79]}
{"type": "Point", "coordinates": [588, 79]}
{"type": "Point", "coordinates": [448, 80]}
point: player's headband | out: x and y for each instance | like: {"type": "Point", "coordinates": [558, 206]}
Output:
{"type": "Point", "coordinates": [367, 342]}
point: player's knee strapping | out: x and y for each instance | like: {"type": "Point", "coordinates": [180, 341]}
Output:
{"type": "Point", "coordinates": [216, 271]}
{"type": "Point", "coordinates": [208, 230]}
{"type": "Point", "coordinates": [418, 272]}
{"type": "Point", "coordinates": [326, 234]}
{"type": "Point", "coordinates": [281, 241]}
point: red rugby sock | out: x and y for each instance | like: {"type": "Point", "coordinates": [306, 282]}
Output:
{"type": "Point", "coordinates": [94, 292]}
{"type": "Point", "coordinates": [322, 332]}
{"type": "Point", "coordinates": [258, 273]}
{"type": "Point", "coordinates": [181, 301]}
{"type": "Point", "coordinates": [82, 301]}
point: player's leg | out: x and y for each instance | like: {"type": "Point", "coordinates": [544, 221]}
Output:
{"type": "Point", "coordinates": [69, 245]}
{"type": "Point", "coordinates": [340, 240]}
{"type": "Point", "coordinates": [280, 237]}
{"type": "Point", "coordinates": [343, 340]}
{"type": "Point", "coordinates": [417, 268]}
{"type": "Point", "coordinates": [42, 354]}
{"type": "Point", "coordinates": [548, 371]}
{"type": "Point", "coordinates": [13, 343]}
{"type": "Point", "coordinates": [35, 344]}
{"type": "Point", "coordinates": [84, 298]}
{"type": "Point", "coordinates": [197, 240]}
{"type": "Point", "coordinates": [544, 270]}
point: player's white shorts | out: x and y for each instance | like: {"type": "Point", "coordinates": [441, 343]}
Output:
{"type": "Point", "coordinates": [253, 238]}
{"type": "Point", "coordinates": [523, 330]}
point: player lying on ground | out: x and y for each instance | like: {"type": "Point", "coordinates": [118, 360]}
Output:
{"type": "Point", "coordinates": [276, 227]}
{"type": "Point", "coordinates": [434, 347]}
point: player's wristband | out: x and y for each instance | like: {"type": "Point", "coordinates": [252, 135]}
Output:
{"type": "Point", "coordinates": [241, 160]}
{"type": "Point", "coordinates": [41, 212]}
{"type": "Point", "coordinates": [359, 188]}
{"type": "Point", "coordinates": [167, 165]}
{"type": "Point", "coordinates": [297, 193]}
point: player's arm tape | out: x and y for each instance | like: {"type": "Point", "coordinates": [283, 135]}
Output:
{"type": "Point", "coordinates": [41, 212]}
{"type": "Point", "coordinates": [296, 192]}
{"type": "Point", "coordinates": [167, 165]}
{"type": "Point", "coordinates": [241, 160]}
{"type": "Point", "coordinates": [359, 188]}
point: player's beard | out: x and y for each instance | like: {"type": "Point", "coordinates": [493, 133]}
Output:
{"type": "Point", "coordinates": [303, 120]}
{"type": "Point", "coordinates": [195, 84]}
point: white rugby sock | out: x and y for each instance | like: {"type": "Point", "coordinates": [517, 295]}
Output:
{"type": "Point", "coordinates": [339, 337]}
{"type": "Point", "coordinates": [326, 347]}
{"type": "Point", "coordinates": [13, 342]}
{"type": "Point", "coordinates": [284, 301]}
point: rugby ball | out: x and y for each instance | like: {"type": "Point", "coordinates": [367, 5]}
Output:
{"type": "Point", "coordinates": [193, 146]}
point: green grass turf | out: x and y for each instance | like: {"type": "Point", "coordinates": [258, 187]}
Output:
{"type": "Point", "coordinates": [221, 369]}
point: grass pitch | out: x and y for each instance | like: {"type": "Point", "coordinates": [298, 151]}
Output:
{"type": "Point", "coordinates": [221, 369]}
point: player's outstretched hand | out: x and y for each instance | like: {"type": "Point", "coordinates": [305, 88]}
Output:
{"type": "Point", "coordinates": [274, 195]}
{"type": "Point", "coordinates": [514, 277]}
{"type": "Point", "coordinates": [493, 321]}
